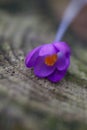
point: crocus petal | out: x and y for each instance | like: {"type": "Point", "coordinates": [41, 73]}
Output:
{"type": "Point", "coordinates": [31, 57]}
{"type": "Point", "coordinates": [47, 49]}
{"type": "Point", "coordinates": [67, 62]}
{"type": "Point", "coordinates": [62, 47]}
{"type": "Point", "coordinates": [42, 70]}
{"type": "Point", "coordinates": [63, 63]}
{"type": "Point", "coordinates": [56, 76]}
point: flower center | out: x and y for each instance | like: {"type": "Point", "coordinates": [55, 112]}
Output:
{"type": "Point", "coordinates": [51, 60]}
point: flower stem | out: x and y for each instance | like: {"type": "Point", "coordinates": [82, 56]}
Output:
{"type": "Point", "coordinates": [71, 12]}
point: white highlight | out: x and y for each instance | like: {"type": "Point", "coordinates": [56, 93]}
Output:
{"type": "Point", "coordinates": [71, 12]}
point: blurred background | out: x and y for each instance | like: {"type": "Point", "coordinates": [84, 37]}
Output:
{"type": "Point", "coordinates": [53, 8]}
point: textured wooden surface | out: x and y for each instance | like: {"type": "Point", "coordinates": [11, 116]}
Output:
{"type": "Point", "coordinates": [27, 102]}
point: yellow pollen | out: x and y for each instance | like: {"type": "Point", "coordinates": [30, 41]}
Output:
{"type": "Point", "coordinates": [51, 60]}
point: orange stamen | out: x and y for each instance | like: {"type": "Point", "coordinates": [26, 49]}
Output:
{"type": "Point", "coordinates": [51, 60]}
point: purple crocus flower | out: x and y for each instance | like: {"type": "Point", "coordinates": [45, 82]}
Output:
{"type": "Point", "coordinates": [49, 61]}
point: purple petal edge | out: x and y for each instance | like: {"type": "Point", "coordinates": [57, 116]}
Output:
{"type": "Point", "coordinates": [56, 76]}
{"type": "Point", "coordinates": [47, 49]}
{"type": "Point", "coordinates": [63, 47]}
{"type": "Point", "coordinates": [31, 57]}
{"type": "Point", "coordinates": [63, 63]}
